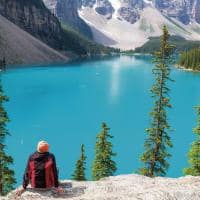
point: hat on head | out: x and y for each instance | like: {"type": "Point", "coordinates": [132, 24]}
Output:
{"type": "Point", "coordinates": [42, 147]}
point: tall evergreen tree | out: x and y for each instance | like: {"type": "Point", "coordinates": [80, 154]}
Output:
{"type": "Point", "coordinates": [79, 172]}
{"type": "Point", "coordinates": [103, 165]}
{"type": "Point", "coordinates": [194, 153]}
{"type": "Point", "coordinates": [7, 179]}
{"type": "Point", "coordinates": [158, 140]}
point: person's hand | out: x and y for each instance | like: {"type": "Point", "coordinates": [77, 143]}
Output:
{"type": "Point", "coordinates": [20, 191]}
{"type": "Point", "coordinates": [59, 190]}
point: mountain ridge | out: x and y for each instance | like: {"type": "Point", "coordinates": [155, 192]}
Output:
{"type": "Point", "coordinates": [127, 24]}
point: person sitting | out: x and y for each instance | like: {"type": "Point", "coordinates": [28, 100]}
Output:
{"type": "Point", "coordinates": [41, 170]}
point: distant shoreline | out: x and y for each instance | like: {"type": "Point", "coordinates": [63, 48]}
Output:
{"type": "Point", "coordinates": [186, 69]}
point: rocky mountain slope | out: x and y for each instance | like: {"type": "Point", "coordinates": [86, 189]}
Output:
{"type": "Point", "coordinates": [127, 24]}
{"type": "Point", "coordinates": [35, 18]}
{"type": "Point", "coordinates": [18, 46]}
{"type": "Point", "coordinates": [67, 12]}
{"type": "Point", "coordinates": [125, 187]}
{"type": "Point", "coordinates": [185, 11]}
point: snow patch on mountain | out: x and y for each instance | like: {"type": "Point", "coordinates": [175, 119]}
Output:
{"type": "Point", "coordinates": [148, 2]}
{"type": "Point", "coordinates": [121, 34]}
{"type": "Point", "coordinates": [127, 24]}
{"type": "Point", "coordinates": [116, 4]}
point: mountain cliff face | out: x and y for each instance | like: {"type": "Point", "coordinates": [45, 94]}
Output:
{"type": "Point", "coordinates": [104, 7]}
{"type": "Point", "coordinates": [130, 10]}
{"type": "Point", "coordinates": [183, 10]}
{"type": "Point", "coordinates": [67, 12]}
{"type": "Point", "coordinates": [35, 18]}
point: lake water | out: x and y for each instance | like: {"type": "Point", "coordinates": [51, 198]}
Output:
{"type": "Point", "coordinates": [66, 104]}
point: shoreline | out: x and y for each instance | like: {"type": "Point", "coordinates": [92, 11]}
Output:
{"type": "Point", "coordinates": [71, 60]}
{"type": "Point", "coordinates": [186, 69]}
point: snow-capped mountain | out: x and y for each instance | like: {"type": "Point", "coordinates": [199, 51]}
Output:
{"type": "Point", "coordinates": [127, 24]}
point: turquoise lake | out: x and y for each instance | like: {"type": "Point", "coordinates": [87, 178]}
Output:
{"type": "Point", "coordinates": [66, 104]}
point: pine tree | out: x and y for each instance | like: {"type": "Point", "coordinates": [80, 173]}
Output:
{"type": "Point", "coordinates": [158, 140]}
{"type": "Point", "coordinates": [79, 172]}
{"type": "Point", "coordinates": [103, 165]}
{"type": "Point", "coordinates": [7, 179]}
{"type": "Point", "coordinates": [194, 153]}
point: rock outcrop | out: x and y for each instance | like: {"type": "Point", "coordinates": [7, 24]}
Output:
{"type": "Point", "coordinates": [129, 10]}
{"type": "Point", "coordinates": [183, 10]}
{"type": "Point", "coordinates": [104, 7]}
{"type": "Point", "coordinates": [126, 187]}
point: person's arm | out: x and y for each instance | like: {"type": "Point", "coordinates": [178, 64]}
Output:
{"type": "Point", "coordinates": [55, 172]}
{"type": "Point", "coordinates": [26, 176]}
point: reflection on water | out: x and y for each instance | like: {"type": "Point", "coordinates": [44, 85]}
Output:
{"type": "Point", "coordinates": [120, 64]}
{"type": "Point", "coordinates": [115, 80]}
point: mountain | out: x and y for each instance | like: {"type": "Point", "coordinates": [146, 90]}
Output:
{"type": "Point", "coordinates": [33, 17]}
{"type": "Point", "coordinates": [36, 23]}
{"type": "Point", "coordinates": [123, 187]}
{"type": "Point", "coordinates": [185, 11]}
{"type": "Point", "coordinates": [67, 13]}
{"type": "Point", "coordinates": [128, 24]}
{"type": "Point", "coordinates": [180, 43]}
{"type": "Point", "coordinates": [18, 46]}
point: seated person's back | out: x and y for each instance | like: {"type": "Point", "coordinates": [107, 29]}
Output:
{"type": "Point", "coordinates": [41, 170]}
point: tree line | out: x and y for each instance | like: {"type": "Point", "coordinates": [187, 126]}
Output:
{"type": "Point", "coordinates": [190, 59]}
{"type": "Point", "coordinates": [156, 145]}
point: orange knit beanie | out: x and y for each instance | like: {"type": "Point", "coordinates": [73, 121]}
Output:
{"type": "Point", "coordinates": [42, 147]}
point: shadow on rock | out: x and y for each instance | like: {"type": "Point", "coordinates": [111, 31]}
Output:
{"type": "Point", "coordinates": [32, 193]}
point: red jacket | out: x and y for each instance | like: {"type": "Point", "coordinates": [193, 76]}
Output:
{"type": "Point", "coordinates": [41, 171]}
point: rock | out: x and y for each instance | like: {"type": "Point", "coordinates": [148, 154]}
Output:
{"type": "Point", "coordinates": [88, 3]}
{"type": "Point", "coordinates": [129, 10]}
{"type": "Point", "coordinates": [183, 10]}
{"type": "Point", "coordinates": [124, 187]}
{"type": "Point", "coordinates": [35, 18]}
{"type": "Point", "coordinates": [67, 12]}
{"type": "Point", "coordinates": [104, 7]}
{"type": "Point", "coordinates": [196, 13]}
{"type": "Point", "coordinates": [51, 5]}
{"type": "Point", "coordinates": [128, 14]}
